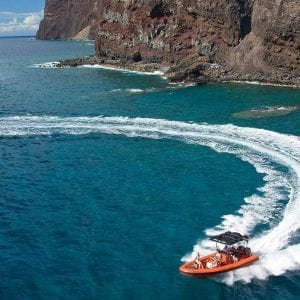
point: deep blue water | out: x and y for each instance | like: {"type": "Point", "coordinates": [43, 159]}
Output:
{"type": "Point", "coordinates": [104, 216]}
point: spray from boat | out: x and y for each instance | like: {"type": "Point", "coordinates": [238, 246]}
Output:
{"type": "Point", "coordinates": [269, 152]}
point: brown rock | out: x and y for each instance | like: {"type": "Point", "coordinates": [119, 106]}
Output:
{"type": "Point", "coordinates": [251, 38]}
{"type": "Point", "coordinates": [136, 57]}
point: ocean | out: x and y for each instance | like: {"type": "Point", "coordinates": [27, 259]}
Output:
{"type": "Point", "coordinates": [109, 180]}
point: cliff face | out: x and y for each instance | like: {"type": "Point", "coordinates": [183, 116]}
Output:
{"type": "Point", "coordinates": [66, 19]}
{"type": "Point", "coordinates": [242, 39]}
{"type": "Point", "coordinates": [273, 45]}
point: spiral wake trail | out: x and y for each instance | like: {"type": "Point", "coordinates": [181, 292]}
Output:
{"type": "Point", "coordinates": [269, 152]}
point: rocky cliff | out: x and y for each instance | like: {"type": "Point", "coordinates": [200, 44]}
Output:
{"type": "Point", "coordinates": [197, 40]}
{"type": "Point", "coordinates": [67, 19]}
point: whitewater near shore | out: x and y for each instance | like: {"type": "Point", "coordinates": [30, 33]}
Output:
{"type": "Point", "coordinates": [165, 71]}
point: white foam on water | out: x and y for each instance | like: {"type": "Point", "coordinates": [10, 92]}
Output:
{"type": "Point", "coordinates": [104, 67]}
{"type": "Point", "coordinates": [262, 83]}
{"type": "Point", "coordinates": [275, 108]}
{"type": "Point", "coordinates": [55, 65]}
{"type": "Point", "coordinates": [142, 91]}
{"type": "Point", "coordinates": [265, 150]}
{"type": "Point", "coordinates": [47, 65]}
{"type": "Point", "coordinates": [135, 91]}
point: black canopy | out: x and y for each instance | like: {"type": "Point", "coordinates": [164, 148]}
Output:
{"type": "Point", "coordinates": [229, 238]}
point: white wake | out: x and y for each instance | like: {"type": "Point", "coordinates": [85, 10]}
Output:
{"type": "Point", "coordinates": [275, 155]}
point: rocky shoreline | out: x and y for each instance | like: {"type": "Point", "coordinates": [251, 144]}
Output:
{"type": "Point", "coordinates": [189, 72]}
{"type": "Point", "coordinates": [189, 41]}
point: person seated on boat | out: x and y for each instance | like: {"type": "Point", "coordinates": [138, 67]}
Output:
{"type": "Point", "coordinates": [248, 251]}
{"type": "Point", "coordinates": [213, 262]}
{"type": "Point", "coordinates": [229, 259]}
{"type": "Point", "coordinates": [218, 257]}
{"type": "Point", "coordinates": [209, 265]}
{"type": "Point", "coordinates": [235, 258]}
{"type": "Point", "coordinates": [229, 249]}
{"type": "Point", "coordinates": [241, 248]}
{"type": "Point", "coordinates": [226, 249]}
{"type": "Point", "coordinates": [197, 262]}
{"type": "Point", "coordinates": [233, 251]}
{"type": "Point", "coordinates": [241, 251]}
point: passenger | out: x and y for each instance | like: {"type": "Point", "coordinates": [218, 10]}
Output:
{"type": "Point", "coordinates": [248, 251]}
{"type": "Point", "coordinates": [232, 252]}
{"type": "Point", "coordinates": [225, 249]}
{"type": "Point", "coordinates": [198, 263]}
{"type": "Point", "coordinates": [229, 259]}
{"type": "Point", "coordinates": [218, 258]}
{"type": "Point", "coordinates": [228, 252]}
{"type": "Point", "coordinates": [241, 249]}
{"type": "Point", "coordinates": [212, 262]}
{"type": "Point", "coordinates": [209, 265]}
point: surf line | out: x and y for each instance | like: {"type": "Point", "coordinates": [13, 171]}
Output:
{"type": "Point", "coordinates": [261, 148]}
{"type": "Point", "coordinates": [56, 65]}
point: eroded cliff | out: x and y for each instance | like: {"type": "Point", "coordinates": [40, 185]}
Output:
{"type": "Point", "coordinates": [198, 40]}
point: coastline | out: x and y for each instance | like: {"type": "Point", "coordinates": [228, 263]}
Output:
{"type": "Point", "coordinates": [294, 86]}
{"type": "Point", "coordinates": [115, 68]}
{"type": "Point", "coordinates": [187, 76]}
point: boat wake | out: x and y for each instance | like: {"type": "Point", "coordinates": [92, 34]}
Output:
{"type": "Point", "coordinates": [276, 205]}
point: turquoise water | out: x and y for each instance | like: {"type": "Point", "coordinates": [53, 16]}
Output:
{"type": "Point", "coordinates": [108, 182]}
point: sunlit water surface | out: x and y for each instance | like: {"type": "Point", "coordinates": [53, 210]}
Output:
{"type": "Point", "coordinates": [109, 179]}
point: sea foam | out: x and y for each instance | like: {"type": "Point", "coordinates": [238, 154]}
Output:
{"type": "Point", "coordinates": [47, 65]}
{"type": "Point", "coordinates": [96, 66]}
{"type": "Point", "coordinates": [269, 152]}
{"type": "Point", "coordinates": [55, 65]}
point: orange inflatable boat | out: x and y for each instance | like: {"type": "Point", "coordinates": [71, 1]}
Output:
{"type": "Point", "coordinates": [223, 260]}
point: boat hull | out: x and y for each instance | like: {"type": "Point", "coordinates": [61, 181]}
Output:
{"type": "Point", "coordinates": [204, 272]}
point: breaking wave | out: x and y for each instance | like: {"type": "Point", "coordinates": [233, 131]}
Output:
{"type": "Point", "coordinates": [137, 91]}
{"type": "Point", "coordinates": [275, 205]}
{"type": "Point", "coordinates": [47, 65]}
{"type": "Point", "coordinates": [143, 91]}
{"type": "Point", "coordinates": [56, 65]}
{"type": "Point", "coordinates": [130, 90]}
{"type": "Point", "coordinates": [263, 83]}
{"type": "Point", "coordinates": [159, 73]}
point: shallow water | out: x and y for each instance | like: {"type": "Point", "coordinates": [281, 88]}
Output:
{"type": "Point", "coordinates": [266, 112]}
{"type": "Point", "coordinates": [94, 206]}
